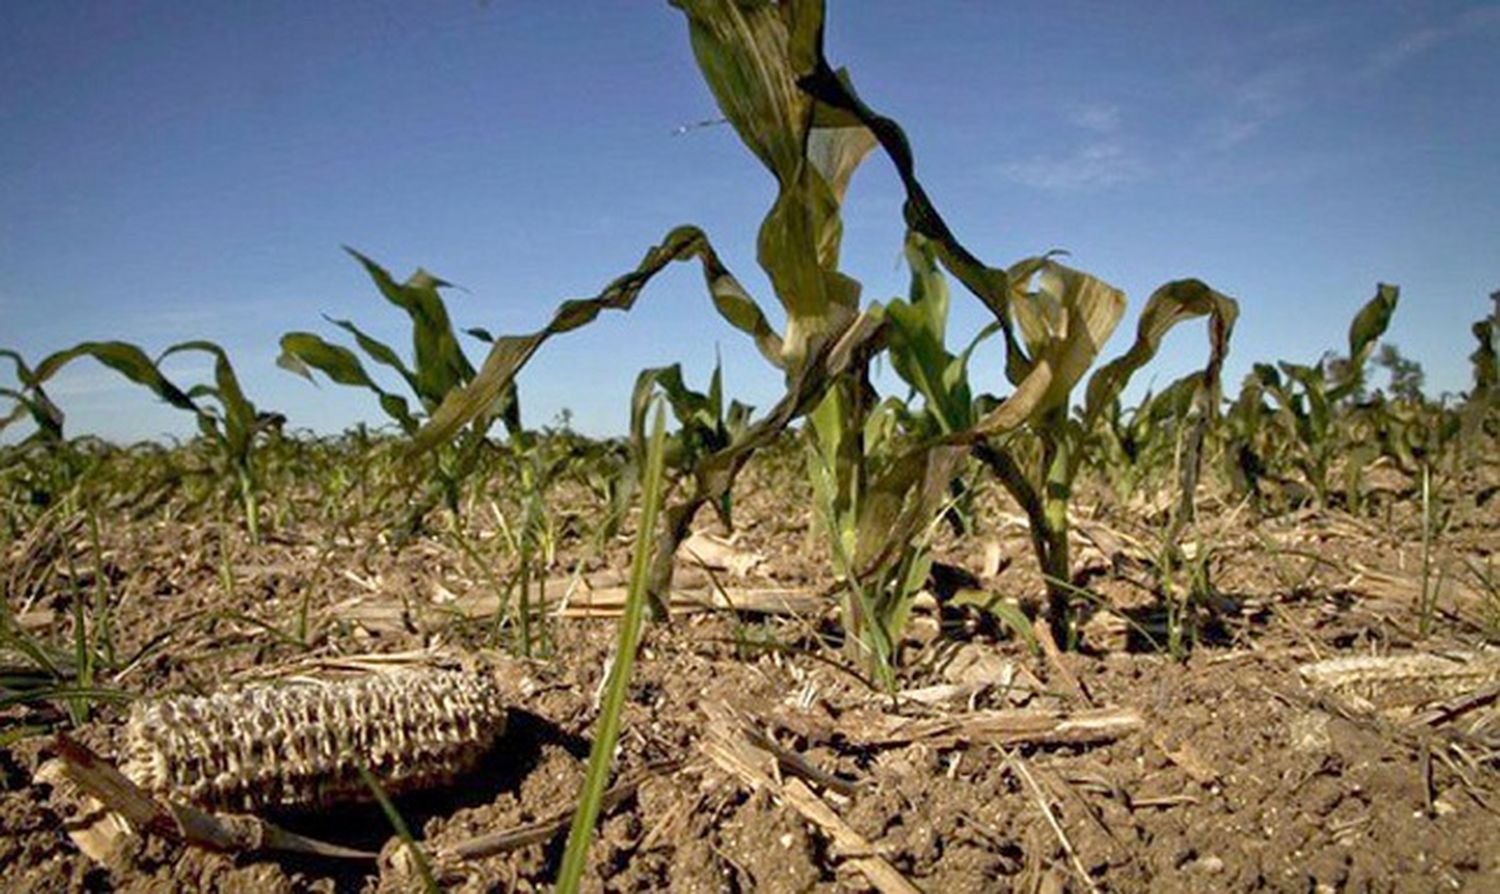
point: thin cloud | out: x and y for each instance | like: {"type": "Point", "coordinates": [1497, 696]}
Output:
{"type": "Point", "coordinates": [1298, 78]}
{"type": "Point", "coordinates": [1419, 42]}
{"type": "Point", "coordinates": [1269, 94]}
{"type": "Point", "coordinates": [1095, 166]}
{"type": "Point", "coordinates": [1097, 117]}
{"type": "Point", "coordinates": [1103, 161]}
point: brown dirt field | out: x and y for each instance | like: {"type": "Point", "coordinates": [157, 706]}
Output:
{"type": "Point", "coordinates": [1242, 776]}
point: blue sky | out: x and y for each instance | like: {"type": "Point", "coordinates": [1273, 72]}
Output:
{"type": "Point", "coordinates": [174, 170]}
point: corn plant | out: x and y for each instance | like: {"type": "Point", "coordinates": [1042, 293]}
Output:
{"type": "Point", "coordinates": [705, 424]}
{"type": "Point", "coordinates": [1052, 335]}
{"type": "Point", "coordinates": [537, 463]}
{"type": "Point", "coordinates": [226, 418]}
{"type": "Point", "coordinates": [606, 469]}
{"type": "Point", "coordinates": [853, 446]}
{"type": "Point", "coordinates": [71, 672]}
{"type": "Point", "coordinates": [439, 367]}
{"type": "Point", "coordinates": [1308, 399]}
{"type": "Point", "coordinates": [40, 467]}
{"type": "Point", "coordinates": [1061, 324]}
{"type": "Point", "coordinates": [764, 63]}
{"type": "Point", "coordinates": [752, 56]}
{"type": "Point", "coordinates": [1482, 403]}
{"type": "Point", "coordinates": [879, 471]}
{"type": "Point", "coordinates": [30, 401]}
{"type": "Point", "coordinates": [1130, 446]}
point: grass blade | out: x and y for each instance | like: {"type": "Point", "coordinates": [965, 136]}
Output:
{"type": "Point", "coordinates": [602, 754]}
{"type": "Point", "coordinates": [424, 869]}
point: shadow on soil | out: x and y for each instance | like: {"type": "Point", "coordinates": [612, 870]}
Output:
{"type": "Point", "coordinates": [365, 827]}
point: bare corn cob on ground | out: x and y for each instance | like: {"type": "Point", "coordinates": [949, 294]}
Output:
{"type": "Point", "coordinates": [302, 744]}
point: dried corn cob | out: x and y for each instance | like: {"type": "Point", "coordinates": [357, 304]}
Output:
{"type": "Point", "coordinates": [303, 744]}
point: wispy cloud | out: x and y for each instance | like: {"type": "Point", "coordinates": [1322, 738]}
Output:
{"type": "Point", "coordinates": [1097, 165]}
{"type": "Point", "coordinates": [1098, 117]}
{"type": "Point", "coordinates": [1296, 71]}
{"type": "Point", "coordinates": [1422, 40]}
{"type": "Point", "coordinates": [1104, 160]}
{"type": "Point", "coordinates": [1257, 101]}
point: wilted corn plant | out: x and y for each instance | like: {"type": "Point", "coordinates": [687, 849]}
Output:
{"type": "Point", "coordinates": [439, 367]}
{"type": "Point", "coordinates": [39, 468]}
{"type": "Point", "coordinates": [766, 65]}
{"type": "Point", "coordinates": [30, 401]}
{"type": "Point", "coordinates": [1052, 335]}
{"type": "Point", "coordinates": [1062, 323]}
{"type": "Point", "coordinates": [231, 423]}
{"type": "Point", "coordinates": [1482, 403]}
{"type": "Point", "coordinates": [1308, 404]}
{"type": "Point", "coordinates": [746, 52]}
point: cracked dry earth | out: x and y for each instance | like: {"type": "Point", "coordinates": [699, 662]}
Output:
{"type": "Point", "coordinates": [1231, 770]}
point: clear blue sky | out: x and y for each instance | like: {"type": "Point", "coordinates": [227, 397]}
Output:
{"type": "Point", "coordinates": [173, 170]}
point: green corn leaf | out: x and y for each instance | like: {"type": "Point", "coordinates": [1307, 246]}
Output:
{"type": "Point", "coordinates": [1073, 314]}
{"type": "Point", "coordinates": [1002, 610]}
{"type": "Point", "coordinates": [830, 423]}
{"type": "Point", "coordinates": [380, 352]}
{"type": "Point", "coordinates": [240, 416]}
{"type": "Point", "coordinates": [1266, 376]}
{"type": "Point", "coordinates": [752, 55]}
{"type": "Point", "coordinates": [32, 400]}
{"type": "Point", "coordinates": [1365, 330]}
{"type": "Point", "coordinates": [1484, 359]}
{"type": "Point", "coordinates": [886, 422]}
{"type": "Point", "coordinates": [510, 353]}
{"type": "Point", "coordinates": [1372, 321]}
{"type": "Point", "coordinates": [19, 410]}
{"type": "Point", "coordinates": [899, 504]}
{"type": "Point", "coordinates": [124, 358]}
{"type": "Point", "coordinates": [960, 365]}
{"type": "Point", "coordinates": [1173, 303]}
{"type": "Point", "coordinates": [991, 286]}
{"type": "Point", "coordinates": [24, 375]}
{"type": "Point", "coordinates": [1174, 402]}
{"type": "Point", "coordinates": [438, 365]}
{"type": "Point", "coordinates": [1267, 380]}
{"type": "Point", "coordinates": [701, 428]}
{"type": "Point", "coordinates": [1319, 412]}
{"type": "Point", "coordinates": [303, 352]}
{"type": "Point", "coordinates": [928, 290]}
{"type": "Point", "coordinates": [915, 336]}
{"type": "Point", "coordinates": [441, 365]}
{"type": "Point", "coordinates": [1066, 321]}
{"type": "Point", "coordinates": [617, 685]}
{"type": "Point", "coordinates": [923, 363]}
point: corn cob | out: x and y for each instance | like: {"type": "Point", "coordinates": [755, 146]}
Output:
{"type": "Point", "coordinates": [301, 745]}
